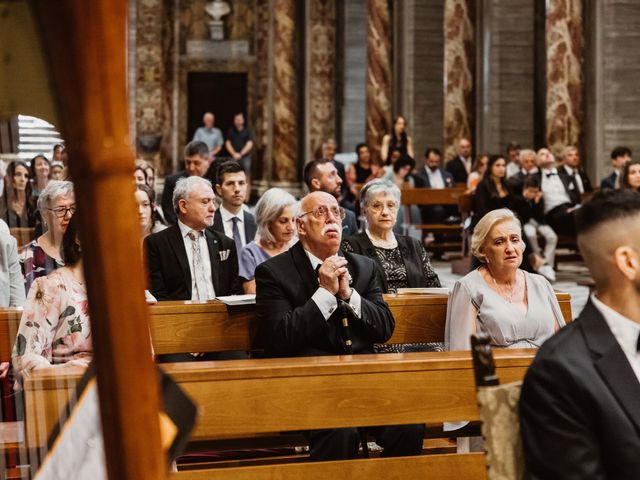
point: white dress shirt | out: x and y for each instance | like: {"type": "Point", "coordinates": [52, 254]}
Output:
{"type": "Point", "coordinates": [206, 259]}
{"type": "Point", "coordinates": [553, 190]}
{"type": "Point", "coordinates": [467, 162]}
{"type": "Point", "coordinates": [435, 177]}
{"type": "Point", "coordinates": [512, 169]}
{"type": "Point", "coordinates": [575, 174]}
{"type": "Point", "coordinates": [227, 223]}
{"type": "Point", "coordinates": [326, 302]}
{"type": "Point", "coordinates": [625, 330]}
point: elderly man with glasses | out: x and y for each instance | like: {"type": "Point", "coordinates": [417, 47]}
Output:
{"type": "Point", "coordinates": [303, 297]}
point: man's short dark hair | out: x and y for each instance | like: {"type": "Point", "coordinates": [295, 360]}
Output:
{"type": "Point", "coordinates": [196, 147]}
{"type": "Point", "coordinates": [430, 150]}
{"type": "Point", "coordinates": [230, 166]}
{"type": "Point", "coordinates": [620, 152]}
{"type": "Point", "coordinates": [311, 170]}
{"type": "Point", "coordinates": [403, 161]}
{"type": "Point", "coordinates": [531, 181]}
{"type": "Point", "coordinates": [513, 146]}
{"type": "Point", "coordinates": [607, 205]}
{"type": "Point", "coordinates": [359, 146]}
{"type": "Point", "coordinates": [70, 249]}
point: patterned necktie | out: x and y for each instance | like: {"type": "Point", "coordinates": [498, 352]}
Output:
{"type": "Point", "coordinates": [236, 235]}
{"type": "Point", "coordinates": [200, 292]}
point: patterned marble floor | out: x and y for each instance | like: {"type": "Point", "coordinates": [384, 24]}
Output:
{"type": "Point", "coordinates": [567, 275]}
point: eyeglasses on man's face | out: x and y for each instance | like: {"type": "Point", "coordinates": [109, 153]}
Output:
{"type": "Point", "coordinates": [60, 212]}
{"type": "Point", "coordinates": [323, 212]}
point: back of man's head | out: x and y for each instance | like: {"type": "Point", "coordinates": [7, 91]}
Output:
{"type": "Point", "coordinates": [311, 171]}
{"type": "Point", "coordinates": [608, 228]}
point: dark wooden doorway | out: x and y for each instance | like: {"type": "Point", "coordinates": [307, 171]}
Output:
{"type": "Point", "coordinates": [223, 94]}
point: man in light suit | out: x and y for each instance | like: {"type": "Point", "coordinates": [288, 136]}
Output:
{"type": "Point", "coordinates": [232, 218]}
{"type": "Point", "coordinates": [580, 402]}
{"type": "Point", "coordinates": [301, 297]}
{"type": "Point", "coordinates": [196, 162]}
{"type": "Point", "coordinates": [189, 261]}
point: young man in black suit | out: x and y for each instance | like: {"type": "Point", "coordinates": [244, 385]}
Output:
{"type": "Point", "coordinates": [196, 162]}
{"type": "Point", "coordinates": [580, 402]}
{"type": "Point", "coordinates": [302, 297]}
{"type": "Point", "coordinates": [434, 176]}
{"type": "Point", "coordinates": [620, 156]}
{"type": "Point", "coordinates": [460, 165]}
{"type": "Point", "coordinates": [189, 261]}
{"type": "Point", "coordinates": [231, 218]}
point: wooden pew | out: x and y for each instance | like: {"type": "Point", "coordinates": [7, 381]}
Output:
{"type": "Point", "coordinates": [23, 235]}
{"type": "Point", "coordinates": [432, 196]}
{"type": "Point", "coordinates": [242, 397]}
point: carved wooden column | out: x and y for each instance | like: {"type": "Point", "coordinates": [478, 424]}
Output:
{"type": "Point", "coordinates": [285, 93]}
{"type": "Point", "coordinates": [458, 73]}
{"type": "Point", "coordinates": [565, 56]}
{"type": "Point", "coordinates": [321, 74]}
{"type": "Point", "coordinates": [379, 78]}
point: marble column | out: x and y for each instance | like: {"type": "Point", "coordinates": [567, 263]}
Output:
{"type": "Point", "coordinates": [321, 74]}
{"type": "Point", "coordinates": [150, 76]}
{"type": "Point", "coordinates": [565, 56]}
{"type": "Point", "coordinates": [459, 47]}
{"type": "Point", "coordinates": [285, 93]}
{"type": "Point", "coordinates": [261, 129]}
{"type": "Point", "coordinates": [379, 78]}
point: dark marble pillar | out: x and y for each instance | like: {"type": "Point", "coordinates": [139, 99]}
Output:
{"type": "Point", "coordinates": [379, 78]}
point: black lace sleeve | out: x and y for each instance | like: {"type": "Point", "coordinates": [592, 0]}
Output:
{"type": "Point", "coordinates": [429, 273]}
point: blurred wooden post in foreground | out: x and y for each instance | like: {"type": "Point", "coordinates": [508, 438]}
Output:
{"type": "Point", "coordinates": [85, 44]}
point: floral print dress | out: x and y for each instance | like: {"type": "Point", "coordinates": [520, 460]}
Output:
{"type": "Point", "coordinates": [55, 326]}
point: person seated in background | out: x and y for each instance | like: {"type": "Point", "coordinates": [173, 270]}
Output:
{"type": "Point", "coordinates": [190, 261]}
{"type": "Point", "coordinates": [516, 309]}
{"type": "Point", "coordinates": [196, 163]}
{"type": "Point", "coordinates": [57, 170]}
{"type": "Point", "coordinates": [363, 170]}
{"type": "Point", "coordinates": [322, 176]}
{"type": "Point", "coordinates": [477, 171]}
{"type": "Point", "coordinates": [55, 329]}
{"type": "Point", "coordinates": [530, 210]}
{"type": "Point", "coordinates": [434, 176]}
{"type": "Point", "coordinates": [528, 166]}
{"type": "Point", "coordinates": [579, 414]}
{"type": "Point", "coordinates": [140, 175]}
{"type": "Point", "coordinates": [151, 174]}
{"type": "Point", "coordinates": [11, 279]}
{"type": "Point", "coordinates": [232, 219]}
{"type": "Point", "coordinates": [40, 257]}
{"type": "Point", "coordinates": [493, 191]}
{"type": "Point", "coordinates": [514, 155]}
{"type": "Point", "coordinates": [631, 176]}
{"type": "Point", "coordinates": [40, 175]}
{"type": "Point", "coordinates": [460, 165]}
{"type": "Point", "coordinates": [301, 296]}
{"type": "Point", "coordinates": [401, 260]}
{"type": "Point", "coordinates": [150, 219]}
{"type": "Point", "coordinates": [570, 166]}
{"type": "Point", "coordinates": [328, 152]}
{"type": "Point", "coordinates": [276, 233]}
{"type": "Point", "coordinates": [620, 156]}
{"type": "Point", "coordinates": [16, 204]}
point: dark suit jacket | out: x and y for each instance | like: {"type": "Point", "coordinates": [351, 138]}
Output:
{"type": "Point", "coordinates": [168, 265]}
{"type": "Point", "coordinates": [349, 224]}
{"type": "Point", "coordinates": [412, 254]}
{"type": "Point", "coordinates": [422, 179]}
{"type": "Point", "coordinates": [609, 181]}
{"type": "Point", "coordinates": [250, 226]}
{"type": "Point", "coordinates": [580, 406]}
{"type": "Point", "coordinates": [167, 197]}
{"type": "Point", "coordinates": [455, 167]}
{"type": "Point", "coordinates": [292, 324]}
{"type": "Point", "coordinates": [586, 183]}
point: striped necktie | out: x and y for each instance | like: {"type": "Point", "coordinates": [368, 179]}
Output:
{"type": "Point", "coordinates": [199, 293]}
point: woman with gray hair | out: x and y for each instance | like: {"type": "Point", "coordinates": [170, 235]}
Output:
{"type": "Point", "coordinates": [401, 260]}
{"type": "Point", "coordinates": [276, 233]}
{"type": "Point", "coordinates": [56, 204]}
{"type": "Point", "coordinates": [516, 309]}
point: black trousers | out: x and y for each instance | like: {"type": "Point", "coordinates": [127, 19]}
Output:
{"type": "Point", "coordinates": [343, 443]}
{"type": "Point", "coordinates": [563, 223]}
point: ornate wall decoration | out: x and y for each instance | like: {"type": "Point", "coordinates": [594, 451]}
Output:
{"type": "Point", "coordinates": [458, 73]}
{"type": "Point", "coordinates": [260, 123]}
{"type": "Point", "coordinates": [322, 75]}
{"type": "Point", "coordinates": [565, 56]}
{"type": "Point", "coordinates": [379, 77]}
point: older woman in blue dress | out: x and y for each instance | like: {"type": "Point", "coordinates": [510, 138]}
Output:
{"type": "Point", "coordinates": [276, 233]}
{"type": "Point", "coordinates": [515, 308]}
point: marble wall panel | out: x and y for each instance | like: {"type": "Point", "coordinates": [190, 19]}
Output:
{"type": "Point", "coordinates": [459, 47]}
{"type": "Point", "coordinates": [565, 56]}
{"type": "Point", "coordinates": [379, 76]}
{"type": "Point", "coordinates": [321, 58]}
{"type": "Point", "coordinates": [261, 119]}
{"type": "Point", "coordinates": [285, 93]}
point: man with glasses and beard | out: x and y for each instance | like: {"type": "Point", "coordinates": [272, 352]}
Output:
{"type": "Point", "coordinates": [302, 296]}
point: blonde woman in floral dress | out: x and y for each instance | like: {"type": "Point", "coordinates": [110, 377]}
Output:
{"type": "Point", "coordinates": [55, 330]}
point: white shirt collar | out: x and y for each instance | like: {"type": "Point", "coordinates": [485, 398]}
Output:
{"type": "Point", "coordinates": [531, 172]}
{"type": "Point", "coordinates": [569, 169]}
{"type": "Point", "coordinates": [227, 215]}
{"type": "Point", "coordinates": [550, 170]}
{"type": "Point", "coordinates": [184, 229]}
{"type": "Point", "coordinates": [625, 330]}
{"type": "Point", "coordinates": [315, 261]}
